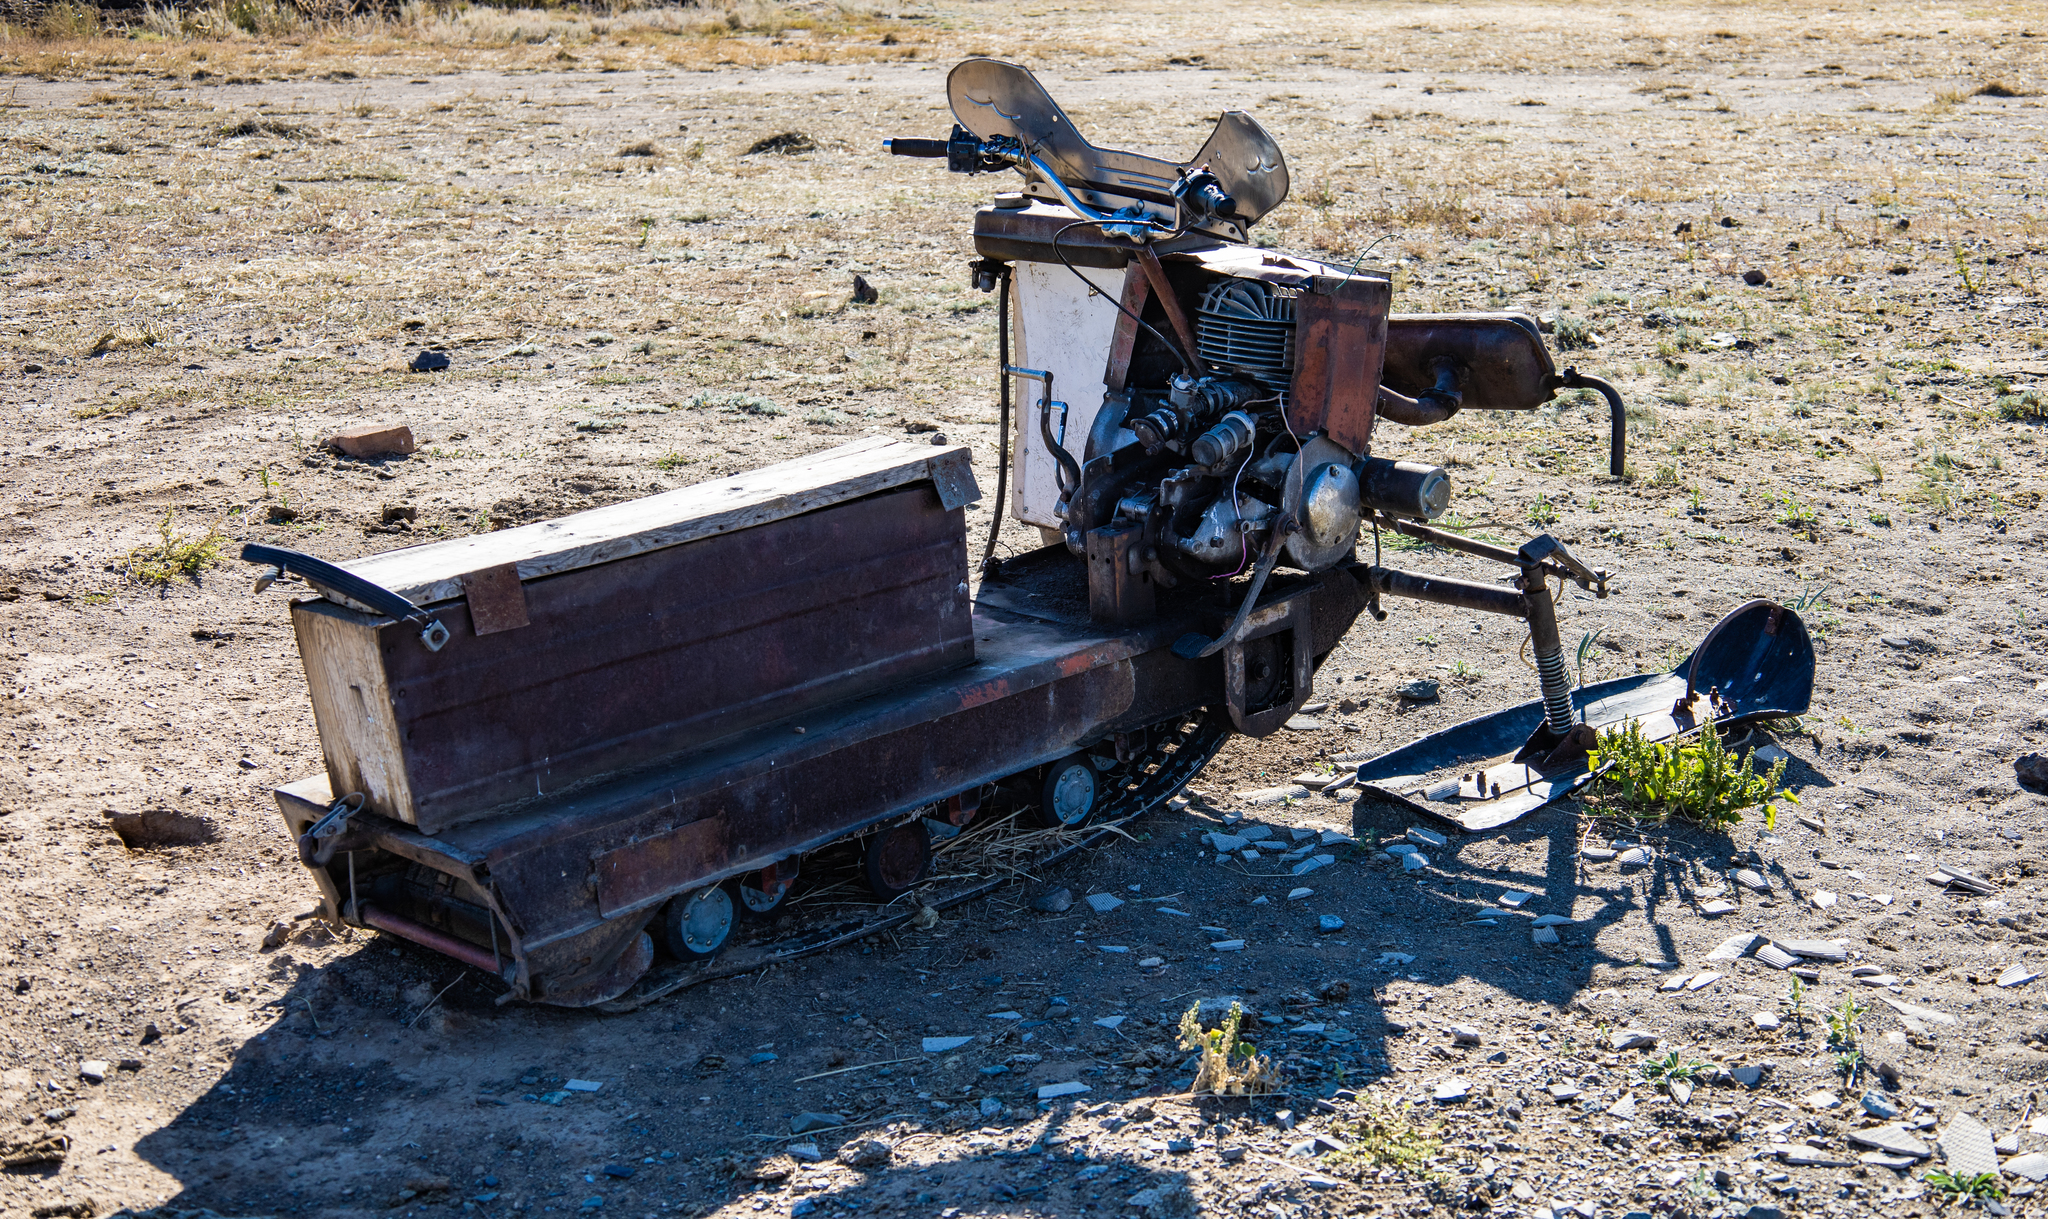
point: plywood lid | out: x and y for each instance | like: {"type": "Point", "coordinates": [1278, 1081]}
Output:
{"type": "Point", "coordinates": [431, 573]}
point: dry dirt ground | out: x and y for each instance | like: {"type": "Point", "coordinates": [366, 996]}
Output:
{"type": "Point", "coordinates": [217, 250]}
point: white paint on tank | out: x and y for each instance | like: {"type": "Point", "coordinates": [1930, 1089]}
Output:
{"type": "Point", "coordinates": [1064, 329]}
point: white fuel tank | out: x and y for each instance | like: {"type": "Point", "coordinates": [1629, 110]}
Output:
{"type": "Point", "coordinates": [1065, 329]}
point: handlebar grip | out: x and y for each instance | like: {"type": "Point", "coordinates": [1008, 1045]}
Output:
{"type": "Point", "coordinates": [913, 146]}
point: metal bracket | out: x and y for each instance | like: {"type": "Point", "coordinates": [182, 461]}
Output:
{"type": "Point", "coordinates": [322, 838]}
{"type": "Point", "coordinates": [1292, 616]}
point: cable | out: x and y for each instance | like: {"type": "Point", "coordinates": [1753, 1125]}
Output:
{"type": "Point", "coordinates": [1367, 250]}
{"type": "Point", "coordinates": [995, 520]}
{"type": "Point", "coordinates": [1185, 366]}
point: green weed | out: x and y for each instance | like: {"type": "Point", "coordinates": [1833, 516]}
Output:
{"type": "Point", "coordinates": [1543, 512]}
{"type": "Point", "coordinates": [1698, 780]}
{"type": "Point", "coordinates": [1389, 1136]}
{"type": "Point", "coordinates": [1982, 1185]}
{"type": "Point", "coordinates": [174, 555]}
{"type": "Point", "coordinates": [1664, 1070]}
{"type": "Point", "coordinates": [1229, 1067]}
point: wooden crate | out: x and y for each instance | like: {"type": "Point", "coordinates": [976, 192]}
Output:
{"type": "Point", "coordinates": [633, 634]}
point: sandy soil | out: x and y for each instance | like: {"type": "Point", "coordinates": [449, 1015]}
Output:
{"type": "Point", "coordinates": [205, 274]}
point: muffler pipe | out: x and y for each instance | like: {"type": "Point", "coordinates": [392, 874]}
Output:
{"type": "Point", "coordinates": [1617, 416]}
{"type": "Point", "coordinates": [426, 937]}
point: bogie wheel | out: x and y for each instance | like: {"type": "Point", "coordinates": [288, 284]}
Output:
{"type": "Point", "coordinates": [694, 926]}
{"type": "Point", "coordinates": [760, 893]}
{"type": "Point", "coordinates": [1070, 793]}
{"type": "Point", "coordinates": [896, 859]}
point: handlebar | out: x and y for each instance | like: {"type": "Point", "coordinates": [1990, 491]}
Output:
{"type": "Point", "coordinates": [915, 146]}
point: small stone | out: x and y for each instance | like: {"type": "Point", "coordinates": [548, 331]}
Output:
{"type": "Point", "coordinates": [1634, 857]}
{"type": "Point", "coordinates": [1767, 1021]}
{"type": "Point", "coordinates": [618, 1172]}
{"type": "Point", "coordinates": [428, 361]}
{"type": "Point", "coordinates": [1228, 844]}
{"type": "Point", "coordinates": [1421, 690]}
{"type": "Point", "coordinates": [1295, 895]}
{"type": "Point", "coordinates": [990, 1107]}
{"type": "Point", "coordinates": [1734, 948]}
{"type": "Point", "coordinates": [1514, 899]}
{"type": "Point", "coordinates": [1879, 1159]}
{"type": "Point", "coordinates": [581, 1085]}
{"type": "Point", "coordinates": [1552, 920]}
{"type": "Point", "coordinates": [942, 1045]}
{"type": "Point", "coordinates": [1879, 980]}
{"type": "Point", "coordinates": [1463, 1034]}
{"type": "Point", "coordinates": [805, 1123]}
{"type": "Point", "coordinates": [1005, 1015]}
{"type": "Point", "coordinates": [1414, 862]}
{"type": "Point", "coordinates": [1755, 278]}
{"type": "Point", "coordinates": [1055, 1091]}
{"type": "Point", "coordinates": [1631, 1039]}
{"type": "Point", "coordinates": [1312, 863]}
{"type": "Point", "coordinates": [1879, 1106]}
{"type": "Point", "coordinates": [1331, 838]}
{"type": "Point", "coordinates": [1228, 945]}
{"type": "Point", "coordinates": [1329, 923]}
{"type": "Point", "coordinates": [1967, 1146]}
{"type": "Point", "coordinates": [2016, 975]}
{"type": "Point", "coordinates": [1701, 981]}
{"type": "Point", "coordinates": [1564, 1092]}
{"type": "Point", "coordinates": [867, 1153]}
{"type": "Point", "coordinates": [1815, 950]}
{"type": "Point", "coordinates": [1822, 899]}
{"type": "Point", "coordinates": [1544, 935]}
{"type": "Point", "coordinates": [1114, 948]}
{"type": "Point", "coordinates": [1717, 909]}
{"type": "Point", "coordinates": [1624, 1108]}
{"type": "Point", "coordinates": [1103, 903]}
{"type": "Point", "coordinates": [373, 441]}
{"type": "Point", "coordinates": [761, 1059]}
{"type": "Point", "coordinates": [1748, 1077]}
{"type": "Point", "coordinates": [1109, 1022]}
{"type": "Point", "coordinates": [1749, 878]}
{"type": "Point", "coordinates": [2034, 1166]}
{"type": "Point", "coordinates": [1151, 962]}
{"type": "Point", "coordinates": [1456, 1088]}
{"type": "Point", "coordinates": [1249, 856]}
{"type": "Point", "coordinates": [1427, 838]}
{"type": "Point", "coordinates": [1821, 1100]}
{"type": "Point", "coordinates": [1776, 957]}
{"type": "Point", "coordinates": [1597, 853]}
{"type": "Point", "coordinates": [1891, 1139]}
{"type": "Point", "coordinates": [1055, 902]}
{"type": "Point", "coordinates": [93, 1071]}
{"type": "Point", "coordinates": [804, 1153]}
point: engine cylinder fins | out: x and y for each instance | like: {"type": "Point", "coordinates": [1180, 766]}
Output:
{"type": "Point", "coordinates": [1409, 489]}
{"type": "Point", "coordinates": [1248, 326]}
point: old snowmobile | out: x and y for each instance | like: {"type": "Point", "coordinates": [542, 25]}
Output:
{"type": "Point", "coordinates": [563, 751]}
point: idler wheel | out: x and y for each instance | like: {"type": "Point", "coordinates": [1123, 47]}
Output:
{"type": "Point", "coordinates": [761, 893]}
{"type": "Point", "coordinates": [1070, 792]}
{"type": "Point", "coordinates": [696, 925]}
{"type": "Point", "coordinates": [896, 859]}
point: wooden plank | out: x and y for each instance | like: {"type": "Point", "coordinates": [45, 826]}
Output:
{"type": "Point", "coordinates": [433, 573]}
{"type": "Point", "coordinates": [352, 706]}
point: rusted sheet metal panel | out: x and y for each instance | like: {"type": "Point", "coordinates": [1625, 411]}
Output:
{"type": "Point", "coordinates": [496, 599]}
{"type": "Point", "coordinates": [629, 662]}
{"type": "Point", "coordinates": [1340, 339]}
